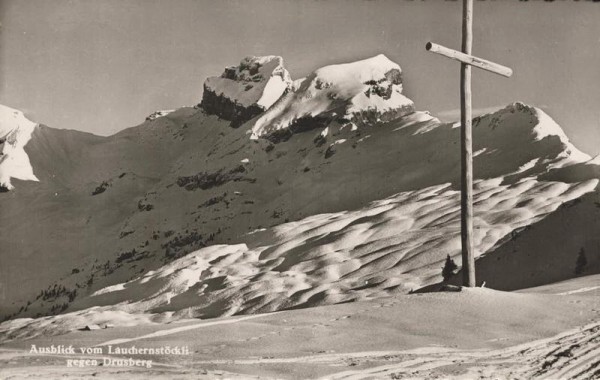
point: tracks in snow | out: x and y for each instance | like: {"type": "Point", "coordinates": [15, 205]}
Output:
{"type": "Point", "coordinates": [573, 355]}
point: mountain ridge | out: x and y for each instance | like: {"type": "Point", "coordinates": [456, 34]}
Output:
{"type": "Point", "coordinates": [277, 210]}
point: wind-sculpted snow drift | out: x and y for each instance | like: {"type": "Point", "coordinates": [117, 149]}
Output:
{"type": "Point", "coordinates": [329, 189]}
{"type": "Point", "coordinates": [391, 245]}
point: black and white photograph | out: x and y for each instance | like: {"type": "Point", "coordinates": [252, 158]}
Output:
{"type": "Point", "coordinates": [299, 189]}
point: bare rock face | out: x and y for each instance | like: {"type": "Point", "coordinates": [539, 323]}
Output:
{"type": "Point", "coordinates": [245, 91]}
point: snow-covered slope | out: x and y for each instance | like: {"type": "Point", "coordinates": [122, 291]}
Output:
{"type": "Point", "coordinates": [393, 245]}
{"type": "Point", "coordinates": [547, 251]}
{"type": "Point", "coordinates": [245, 91]}
{"type": "Point", "coordinates": [15, 133]}
{"type": "Point", "coordinates": [354, 251]}
{"type": "Point", "coordinates": [360, 199]}
{"type": "Point", "coordinates": [547, 128]}
{"type": "Point", "coordinates": [389, 247]}
{"type": "Point", "coordinates": [367, 91]}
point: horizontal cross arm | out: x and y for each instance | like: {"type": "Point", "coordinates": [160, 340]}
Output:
{"type": "Point", "coordinates": [469, 59]}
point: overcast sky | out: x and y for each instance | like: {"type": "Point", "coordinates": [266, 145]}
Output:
{"type": "Point", "coordinates": [103, 65]}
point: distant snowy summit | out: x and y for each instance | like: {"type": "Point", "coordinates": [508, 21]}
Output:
{"type": "Point", "coordinates": [247, 90]}
{"type": "Point", "coordinates": [522, 123]}
{"type": "Point", "coordinates": [363, 92]}
{"type": "Point", "coordinates": [15, 133]}
{"type": "Point", "coordinates": [156, 114]}
{"type": "Point", "coordinates": [260, 96]}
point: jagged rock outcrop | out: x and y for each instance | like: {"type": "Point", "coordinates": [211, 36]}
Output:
{"type": "Point", "coordinates": [357, 93]}
{"type": "Point", "coordinates": [245, 91]}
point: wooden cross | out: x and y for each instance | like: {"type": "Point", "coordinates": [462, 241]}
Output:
{"type": "Point", "coordinates": [466, 190]}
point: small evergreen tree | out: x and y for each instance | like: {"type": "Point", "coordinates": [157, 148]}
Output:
{"type": "Point", "coordinates": [449, 268]}
{"type": "Point", "coordinates": [581, 262]}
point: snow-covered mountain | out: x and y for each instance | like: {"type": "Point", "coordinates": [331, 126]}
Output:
{"type": "Point", "coordinates": [362, 92]}
{"type": "Point", "coordinates": [15, 133]}
{"type": "Point", "coordinates": [327, 189]}
{"type": "Point", "coordinates": [246, 90]}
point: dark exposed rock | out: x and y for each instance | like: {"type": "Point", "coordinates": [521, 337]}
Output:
{"type": "Point", "coordinates": [238, 95]}
{"type": "Point", "coordinates": [228, 109]}
{"type": "Point", "coordinates": [206, 181]}
{"type": "Point", "coordinates": [142, 206]}
{"type": "Point", "coordinates": [330, 151]}
{"type": "Point", "coordinates": [182, 244]}
{"type": "Point", "coordinates": [101, 188]}
{"type": "Point", "coordinates": [374, 116]}
{"type": "Point", "coordinates": [214, 200]}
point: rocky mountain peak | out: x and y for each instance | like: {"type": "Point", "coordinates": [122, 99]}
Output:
{"type": "Point", "coordinates": [244, 91]}
{"type": "Point", "coordinates": [523, 122]}
{"type": "Point", "coordinates": [357, 93]}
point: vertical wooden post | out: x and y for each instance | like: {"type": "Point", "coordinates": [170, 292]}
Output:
{"type": "Point", "coordinates": [466, 145]}
{"type": "Point", "coordinates": [466, 192]}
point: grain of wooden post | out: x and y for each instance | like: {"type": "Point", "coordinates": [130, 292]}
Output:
{"type": "Point", "coordinates": [466, 189]}
{"type": "Point", "coordinates": [468, 59]}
